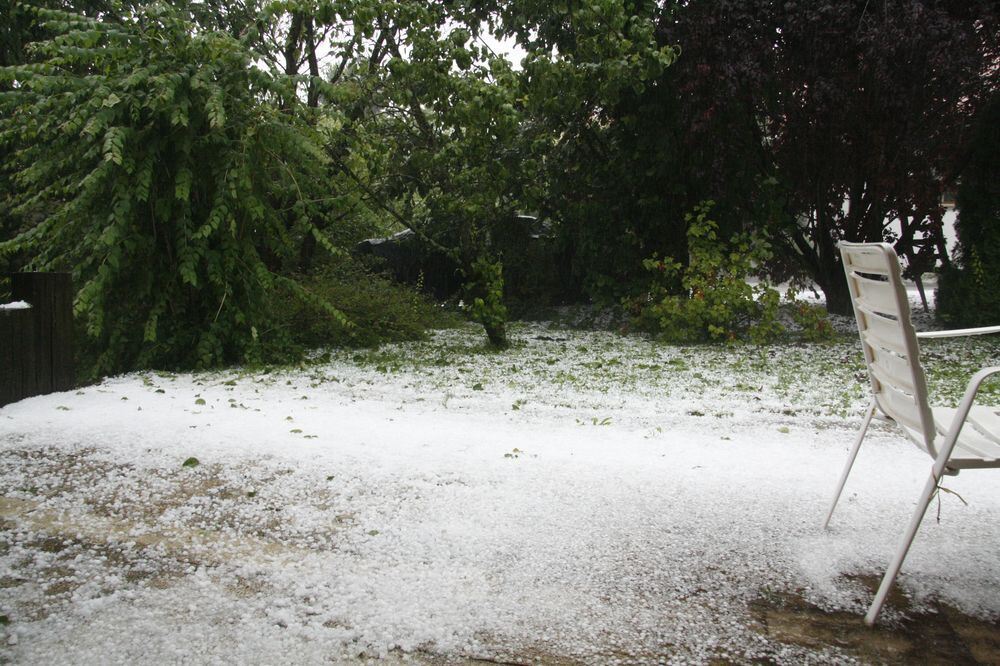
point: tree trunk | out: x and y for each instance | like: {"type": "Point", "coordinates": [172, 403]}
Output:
{"type": "Point", "coordinates": [307, 252]}
{"type": "Point", "coordinates": [497, 335]}
{"type": "Point", "coordinates": [827, 270]}
{"type": "Point", "coordinates": [308, 248]}
{"type": "Point", "coordinates": [918, 280]}
{"type": "Point", "coordinates": [838, 297]}
{"type": "Point", "coordinates": [312, 94]}
{"type": "Point", "coordinates": [292, 41]}
{"type": "Point", "coordinates": [291, 52]}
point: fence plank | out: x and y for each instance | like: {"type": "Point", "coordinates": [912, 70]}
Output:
{"type": "Point", "coordinates": [36, 345]}
{"type": "Point", "coordinates": [10, 381]}
{"type": "Point", "coordinates": [63, 368]}
{"type": "Point", "coordinates": [17, 330]}
{"type": "Point", "coordinates": [31, 287]}
{"type": "Point", "coordinates": [28, 340]}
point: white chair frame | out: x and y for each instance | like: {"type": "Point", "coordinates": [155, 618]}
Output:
{"type": "Point", "coordinates": [899, 389]}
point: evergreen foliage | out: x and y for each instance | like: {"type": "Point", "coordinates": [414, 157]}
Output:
{"type": "Point", "coordinates": [150, 159]}
{"type": "Point", "coordinates": [967, 293]}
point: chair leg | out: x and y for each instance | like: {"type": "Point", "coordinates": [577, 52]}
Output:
{"type": "Point", "coordinates": [904, 547]}
{"type": "Point", "coordinates": [850, 462]}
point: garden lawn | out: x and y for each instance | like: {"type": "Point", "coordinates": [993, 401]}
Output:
{"type": "Point", "coordinates": [583, 497]}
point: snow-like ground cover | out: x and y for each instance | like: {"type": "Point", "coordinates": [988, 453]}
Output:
{"type": "Point", "coordinates": [584, 496]}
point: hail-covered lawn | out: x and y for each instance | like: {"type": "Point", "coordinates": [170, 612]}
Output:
{"type": "Point", "coordinates": [583, 496]}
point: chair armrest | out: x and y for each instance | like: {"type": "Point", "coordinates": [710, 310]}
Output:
{"type": "Point", "coordinates": [959, 332]}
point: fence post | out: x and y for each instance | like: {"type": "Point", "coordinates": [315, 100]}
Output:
{"type": "Point", "coordinates": [38, 356]}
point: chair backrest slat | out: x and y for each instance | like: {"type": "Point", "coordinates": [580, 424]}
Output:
{"type": "Point", "coordinates": [883, 333]}
{"type": "Point", "coordinates": [877, 295]}
{"type": "Point", "coordinates": [892, 355]}
{"type": "Point", "coordinates": [893, 369]}
{"type": "Point", "coordinates": [900, 406]}
{"type": "Point", "coordinates": [865, 261]}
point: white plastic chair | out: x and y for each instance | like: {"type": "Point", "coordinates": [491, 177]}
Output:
{"type": "Point", "coordinates": [899, 389]}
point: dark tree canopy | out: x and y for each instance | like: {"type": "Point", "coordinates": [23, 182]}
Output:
{"type": "Point", "coordinates": [852, 113]}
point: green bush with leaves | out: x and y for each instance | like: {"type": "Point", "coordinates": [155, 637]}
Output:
{"type": "Point", "coordinates": [710, 299]}
{"type": "Point", "coordinates": [379, 310]}
{"type": "Point", "coordinates": [155, 162]}
{"type": "Point", "coordinates": [812, 319]}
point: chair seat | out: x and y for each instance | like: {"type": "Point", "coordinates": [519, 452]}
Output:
{"type": "Point", "coordinates": [979, 441]}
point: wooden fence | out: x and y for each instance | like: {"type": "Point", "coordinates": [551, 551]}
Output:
{"type": "Point", "coordinates": [36, 344]}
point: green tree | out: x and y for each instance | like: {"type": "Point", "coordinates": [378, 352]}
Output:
{"type": "Point", "coordinates": [151, 159]}
{"type": "Point", "coordinates": [598, 133]}
{"type": "Point", "coordinates": [433, 140]}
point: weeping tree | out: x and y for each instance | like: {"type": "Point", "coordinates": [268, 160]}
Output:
{"type": "Point", "coordinates": [19, 28]}
{"type": "Point", "coordinates": [153, 161]}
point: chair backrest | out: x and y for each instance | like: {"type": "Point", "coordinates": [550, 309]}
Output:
{"type": "Point", "coordinates": [892, 354]}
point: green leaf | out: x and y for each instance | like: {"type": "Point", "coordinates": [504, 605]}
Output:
{"type": "Point", "coordinates": [216, 110]}
{"type": "Point", "coordinates": [182, 184]}
{"type": "Point", "coordinates": [114, 145]}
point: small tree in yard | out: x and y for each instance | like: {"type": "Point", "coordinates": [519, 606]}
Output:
{"type": "Point", "coordinates": [442, 113]}
{"type": "Point", "coordinates": [709, 298]}
{"type": "Point", "coordinates": [151, 160]}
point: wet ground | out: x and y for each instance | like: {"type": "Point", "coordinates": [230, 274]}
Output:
{"type": "Point", "coordinates": [945, 636]}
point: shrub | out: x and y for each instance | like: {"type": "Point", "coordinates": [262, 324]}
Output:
{"type": "Point", "coordinates": [710, 299]}
{"type": "Point", "coordinates": [377, 309]}
{"type": "Point", "coordinates": [812, 319]}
